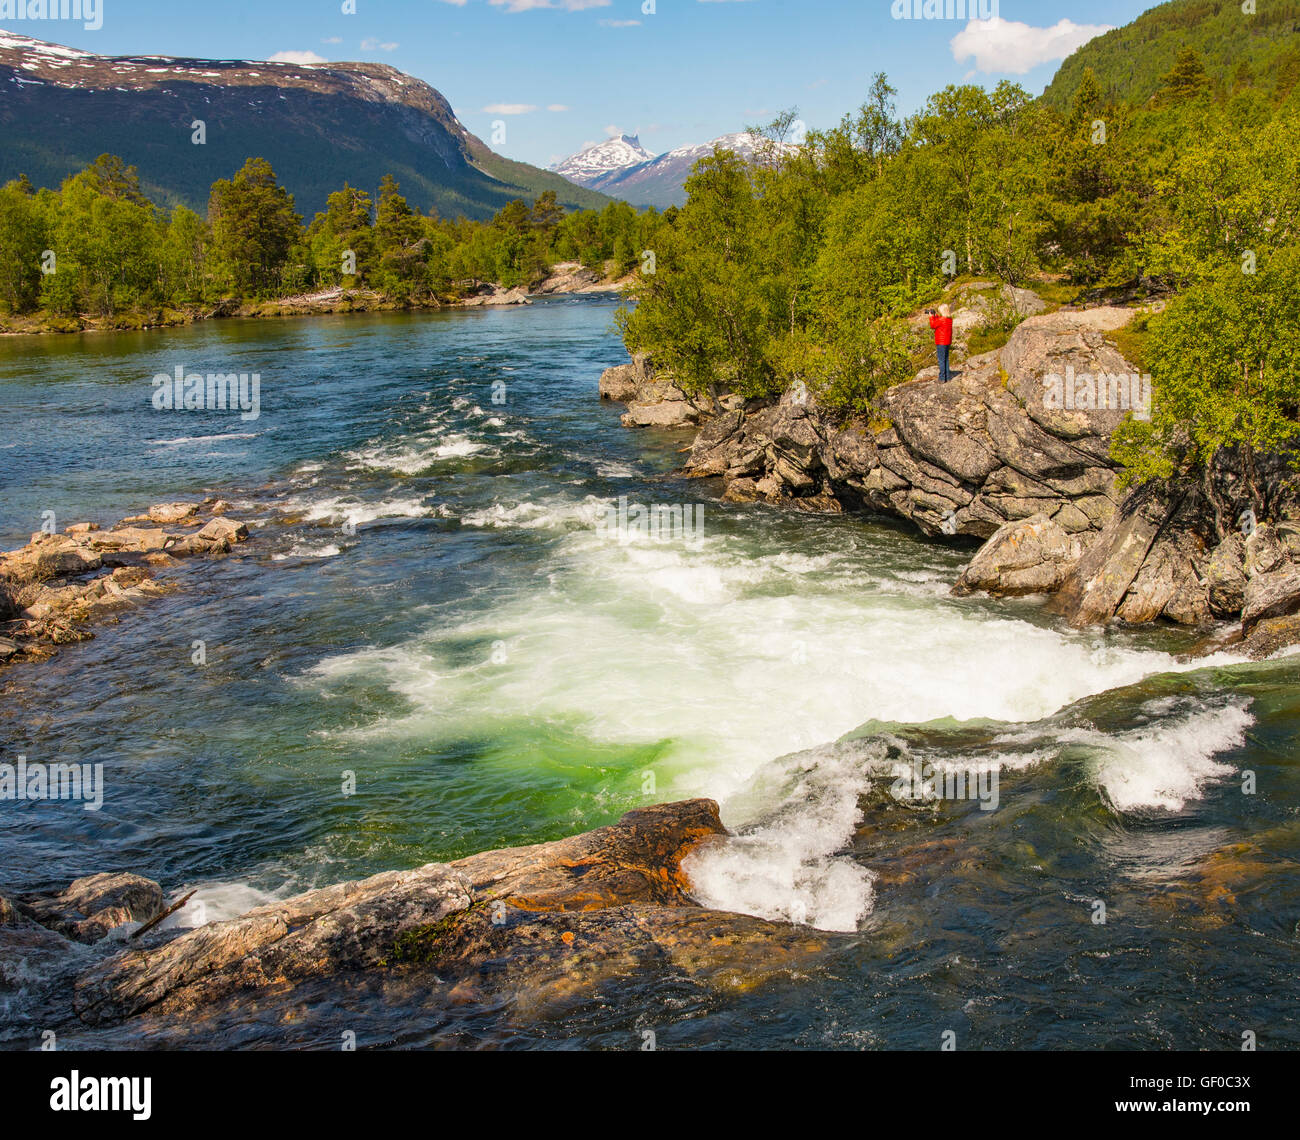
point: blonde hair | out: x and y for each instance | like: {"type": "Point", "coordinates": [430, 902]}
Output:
{"type": "Point", "coordinates": [945, 311]}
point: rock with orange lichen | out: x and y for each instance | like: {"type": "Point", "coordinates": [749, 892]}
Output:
{"type": "Point", "coordinates": [548, 923]}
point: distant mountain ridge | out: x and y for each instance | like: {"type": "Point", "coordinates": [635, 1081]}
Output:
{"type": "Point", "coordinates": [601, 161]}
{"type": "Point", "coordinates": [317, 124]}
{"type": "Point", "coordinates": [656, 180]}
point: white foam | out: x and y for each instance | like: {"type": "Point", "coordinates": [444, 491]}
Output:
{"type": "Point", "coordinates": [415, 456]}
{"type": "Point", "coordinates": [305, 550]}
{"type": "Point", "coordinates": [203, 438]}
{"type": "Point", "coordinates": [784, 869]}
{"type": "Point", "coordinates": [1165, 765]}
{"type": "Point", "coordinates": [720, 659]}
{"type": "Point", "coordinates": [784, 866]}
{"type": "Point", "coordinates": [218, 901]}
{"type": "Point", "coordinates": [541, 514]}
{"type": "Point", "coordinates": [710, 649]}
{"type": "Point", "coordinates": [339, 509]}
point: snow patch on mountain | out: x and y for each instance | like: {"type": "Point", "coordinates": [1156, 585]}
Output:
{"type": "Point", "coordinates": [654, 180]}
{"type": "Point", "coordinates": [601, 160]}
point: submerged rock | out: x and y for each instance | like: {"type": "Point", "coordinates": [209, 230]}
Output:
{"type": "Point", "coordinates": [544, 923]}
{"type": "Point", "coordinates": [87, 909]}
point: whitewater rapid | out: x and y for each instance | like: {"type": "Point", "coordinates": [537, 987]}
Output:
{"type": "Point", "coordinates": [740, 663]}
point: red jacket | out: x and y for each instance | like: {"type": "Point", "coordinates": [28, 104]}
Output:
{"type": "Point", "coordinates": [942, 329]}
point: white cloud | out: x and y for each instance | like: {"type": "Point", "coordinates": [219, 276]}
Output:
{"type": "Point", "coordinates": [373, 44]}
{"type": "Point", "coordinates": [557, 107]}
{"type": "Point", "coordinates": [509, 109]}
{"type": "Point", "coordinates": [620, 23]}
{"type": "Point", "coordinates": [296, 57]}
{"type": "Point", "coordinates": [1007, 47]}
{"type": "Point", "coordinates": [332, 40]}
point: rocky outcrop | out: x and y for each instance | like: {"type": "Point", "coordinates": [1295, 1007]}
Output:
{"type": "Point", "coordinates": [88, 909]}
{"type": "Point", "coordinates": [1167, 554]}
{"type": "Point", "coordinates": [574, 277]}
{"type": "Point", "coordinates": [979, 304]}
{"type": "Point", "coordinates": [565, 916]}
{"type": "Point", "coordinates": [488, 294]}
{"type": "Point", "coordinates": [653, 399]}
{"type": "Point", "coordinates": [966, 458]}
{"type": "Point", "coordinates": [1016, 451]}
{"type": "Point", "coordinates": [1273, 594]}
{"type": "Point", "coordinates": [55, 586]}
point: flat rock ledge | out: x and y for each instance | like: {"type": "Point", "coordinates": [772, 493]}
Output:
{"type": "Point", "coordinates": [547, 922]}
{"type": "Point", "coordinates": [57, 585]}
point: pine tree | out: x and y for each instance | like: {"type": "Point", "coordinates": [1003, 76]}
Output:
{"type": "Point", "coordinates": [254, 226]}
{"type": "Point", "coordinates": [1187, 79]}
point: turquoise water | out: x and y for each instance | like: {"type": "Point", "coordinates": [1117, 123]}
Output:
{"type": "Point", "coordinates": [432, 604]}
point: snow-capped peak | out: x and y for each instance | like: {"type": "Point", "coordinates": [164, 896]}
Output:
{"type": "Point", "coordinates": [599, 160]}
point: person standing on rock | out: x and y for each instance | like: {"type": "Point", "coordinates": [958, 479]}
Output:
{"type": "Point", "coordinates": [941, 322]}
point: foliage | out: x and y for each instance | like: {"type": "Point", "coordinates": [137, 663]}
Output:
{"type": "Point", "coordinates": [1228, 372]}
{"type": "Point", "coordinates": [98, 246]}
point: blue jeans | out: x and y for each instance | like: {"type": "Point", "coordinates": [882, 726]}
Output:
{"type": "Point", "coordinates": [944, 351]}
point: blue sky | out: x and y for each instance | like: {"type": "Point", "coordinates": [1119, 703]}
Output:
{"type": "Point", "coordinates": [562, 73]}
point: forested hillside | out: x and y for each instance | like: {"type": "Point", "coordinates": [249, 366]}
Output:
{"type": "Point", "coordinates": [98, 246]}
{"type": "Point", "coordinates": [1238, 49]}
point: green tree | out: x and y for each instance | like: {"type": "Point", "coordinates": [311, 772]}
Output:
{"type": "Point", "coordinates": [1186, 79]}
{"type": "Point", "coordinates": [342, 238]}
{"type": "Point", "coordinates": [705, 315]}
{"type": "Point", "coordinates": [1224, 374]}
{"type": "Point", "coordinates": [254, 227]}
{"type": "Point", "coordinates": [22, 241]}
{"type": "Point", "coordinates": [106, 240]}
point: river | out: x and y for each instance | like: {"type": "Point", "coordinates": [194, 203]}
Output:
{"type": "Point", "coordinates": [435, 645]}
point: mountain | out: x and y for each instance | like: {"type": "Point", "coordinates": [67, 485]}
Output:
{"type": "Point", "coordinates": [1130, 61]}
{"type": "Point", "coordinates": [661, 181]}
{"type": "Point", "coordinates": [317, 124]}
{"type": "Point", "coordinates": [602, 161]}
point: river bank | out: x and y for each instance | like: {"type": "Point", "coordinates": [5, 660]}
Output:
{"type": "Point", "coordinates": [564, 278]}
{"type": "Point", "coordinates": [54, 590]}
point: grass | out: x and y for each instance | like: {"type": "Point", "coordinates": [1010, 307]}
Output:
{"type": "Point", "coordinates": [985, 340]}
{"type": "Point", "coordinates": [1056, 293]}
{"type": "Point", "coordinates": [1134, 342]}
